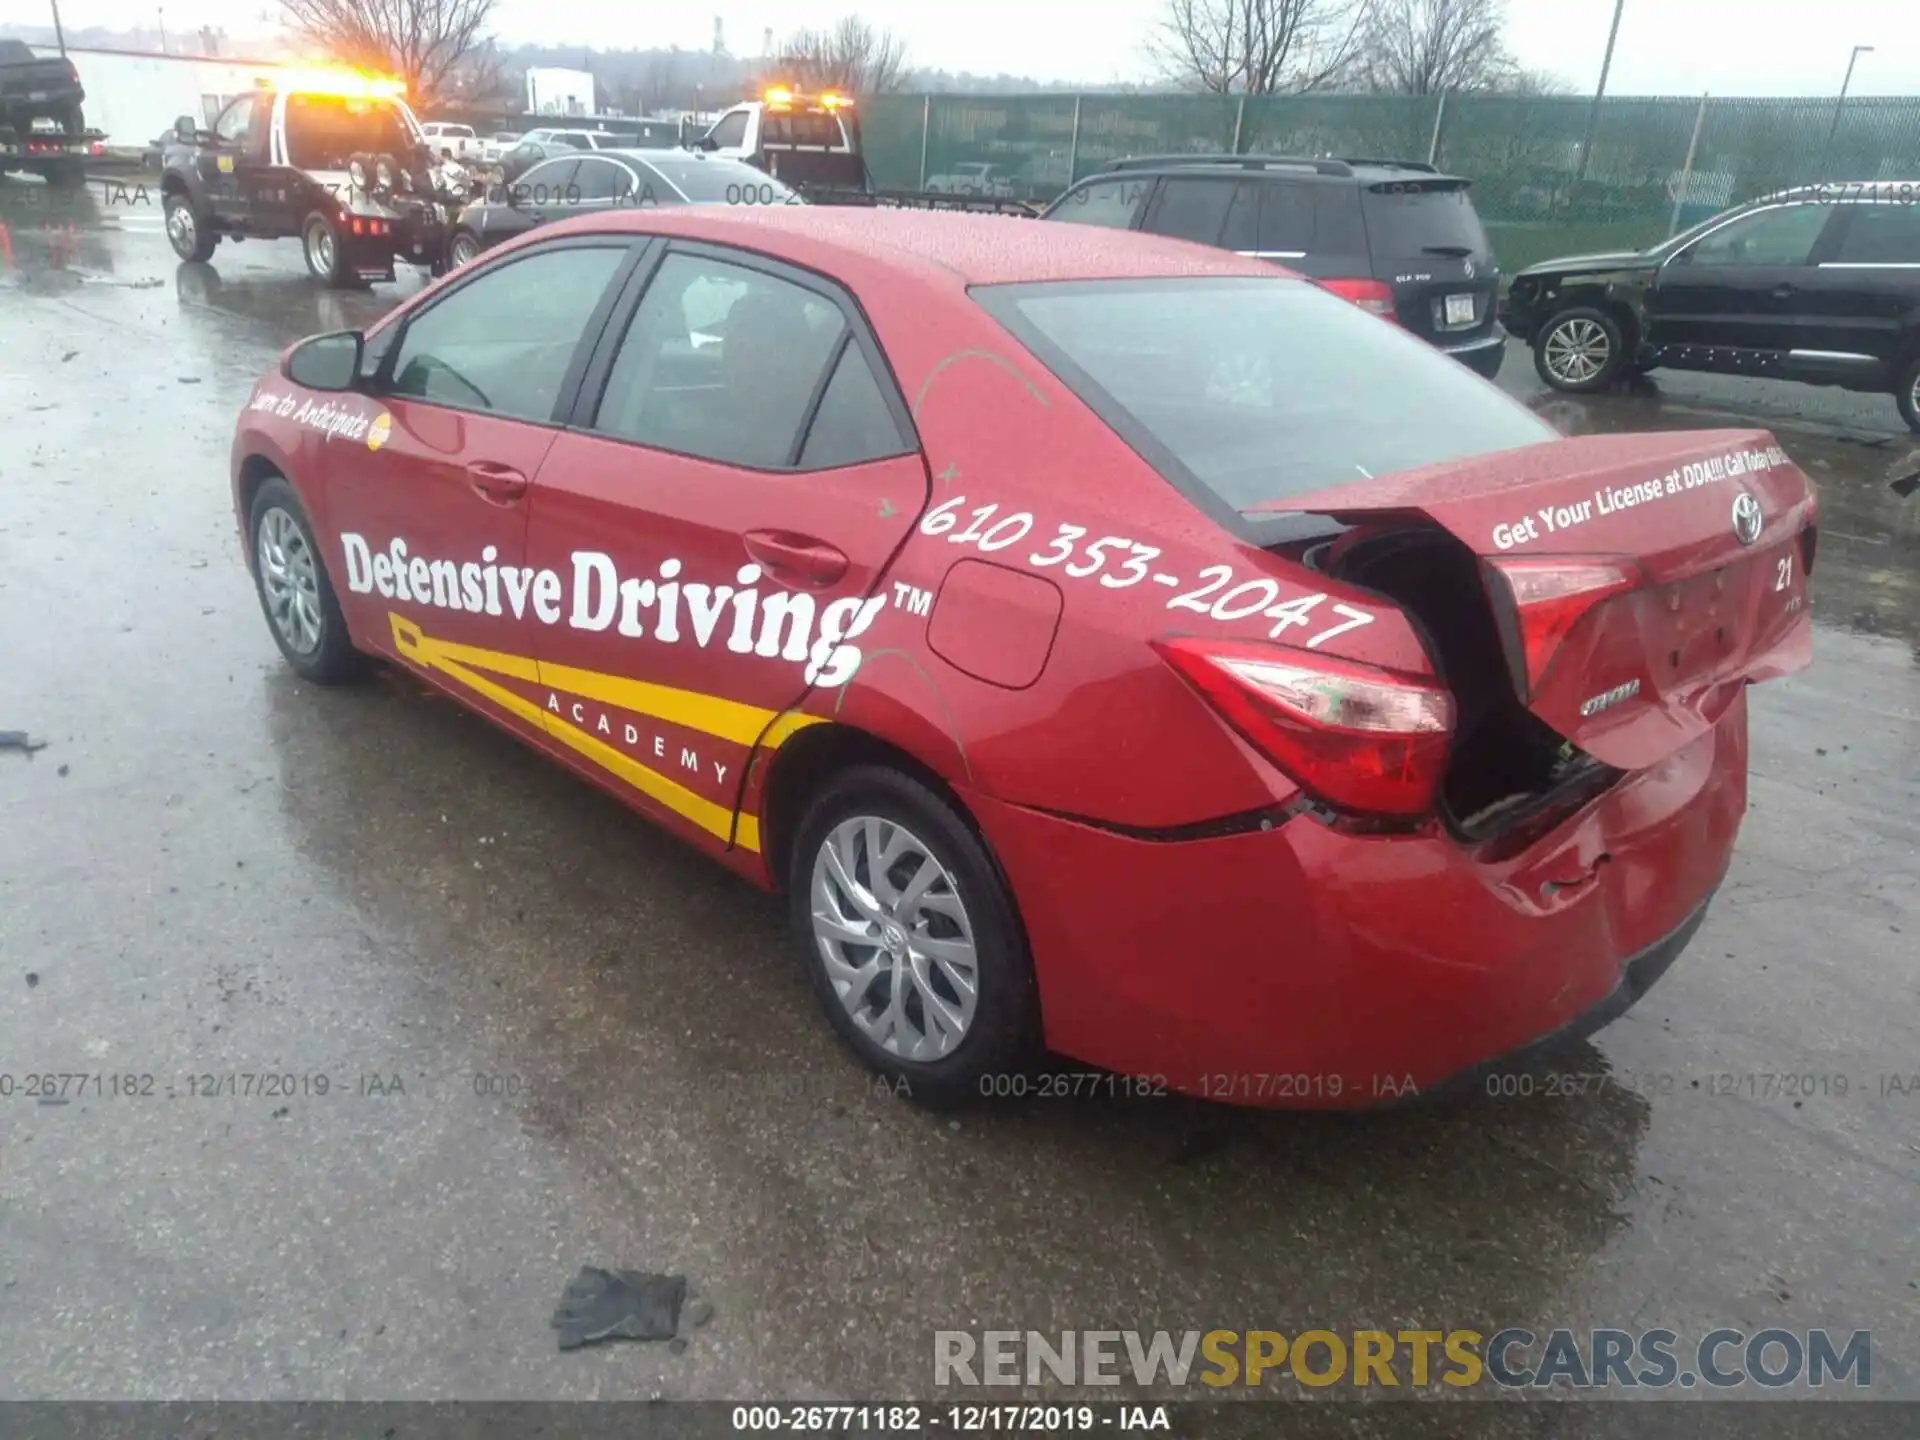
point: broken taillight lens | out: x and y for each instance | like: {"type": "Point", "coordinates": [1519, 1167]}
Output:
{"type": "Point", "coordinates": [1545, 599]}
{"type": "Point", "coordinates": [1360, 739]}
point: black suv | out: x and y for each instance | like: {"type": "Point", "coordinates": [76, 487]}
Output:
{"type": "Point", "coordinates": [1395, 237]}
{"type": "Point", "coordinates": [1819, 284]}
{"type": "Point", "coordinates": [351, 176]}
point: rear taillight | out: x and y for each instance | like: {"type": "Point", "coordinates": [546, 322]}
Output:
{"type": "Point", "coordinates": [1373, 296]}
{"type": "Point", "coordinates": [1360, 739]}
{"type": "Point", "coordinates": [1546, 599]}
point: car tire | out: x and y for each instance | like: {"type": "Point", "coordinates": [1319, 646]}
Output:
{"type": "Point", "coordinates": [188, 232]}
{"type": "Point", "coordinates": [296, 595]}
{"type": "Point", "coordinates": [1908, 395]}
{"type": "Point", "coordinates": [325, 255]}
{"type": "Point", "coordinates": [966, 907]}
{"type": "Point", "coordinates": [1580, 350]}
{"type": "Point", "coordinates": [462, 249]}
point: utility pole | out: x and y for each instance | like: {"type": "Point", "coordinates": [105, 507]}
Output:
{"type": "Point", "coordinates": [1593, 110]}
{"type": "Point", "coordinates": [161, 13]}
{"type": "Point", "coordinates": [1834, 128]}
{"type": "Point", "coordinates": [59, 35]}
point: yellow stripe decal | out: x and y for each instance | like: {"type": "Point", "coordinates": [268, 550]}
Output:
{"type": "Point", "coordinates": [709, 714]}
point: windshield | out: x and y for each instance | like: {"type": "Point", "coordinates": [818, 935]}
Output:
{"type": "Point", "coordinates": [1259, 389]}
{"type": "Point", "coordinates": [325, 131]}
{"type": "Point", "coordinates": [1422, 220]}
{"type": "Point", "coordinates": [721, 182]}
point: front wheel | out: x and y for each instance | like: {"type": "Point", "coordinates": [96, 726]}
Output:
{"type": "Point", "coordinates": [326, 257]}
{"type": "Point", "coordinates": [1908, 396]}
{"type": "Point", "coordinates": [296, 595]}
{"type": "Point", "coordinates": [192, 239]}
{"type": "Point", "coordinates": [1580, 350]}
{"type": "Point", "coordinates": [912, 943]}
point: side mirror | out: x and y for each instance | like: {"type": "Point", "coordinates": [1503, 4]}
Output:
{"type": "Point", "coordinates": [185, 130]}
{"type": "Point", "coordinates": [327, 362]}
{"type": "Point", "coordinates": [706, 142]}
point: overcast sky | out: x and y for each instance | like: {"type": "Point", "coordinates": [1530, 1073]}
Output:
{"type": "Point", "coordinates": [1666, 47]}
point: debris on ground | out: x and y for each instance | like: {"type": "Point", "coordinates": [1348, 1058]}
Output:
{"type": "Point", "coordinates": [19, 740]}
{"type": "Point", "coordinates": [619, 1305]}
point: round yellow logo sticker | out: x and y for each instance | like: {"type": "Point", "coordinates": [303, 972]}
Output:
{"type": "Point", "coordinates": [378, 431]}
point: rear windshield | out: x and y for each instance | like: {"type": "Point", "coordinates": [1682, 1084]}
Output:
{"type": "Point", "coordinates": [1404, 220]}
{"type": "Point", "coordinates": [801, 128]}
{"type": "Point", "coordinates": [1259, 389]}
{"type": "Point", "coordinates": [325, 131]}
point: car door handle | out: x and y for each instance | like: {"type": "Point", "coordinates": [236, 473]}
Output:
{"type": "Point", "coordinates": [496, 482]}
{"type": "Point", "coordinates": [1782, 291]}
{"type": "Point", "coordinates": [803, 559]}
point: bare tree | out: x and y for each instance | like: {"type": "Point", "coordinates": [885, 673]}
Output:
{"type": "Point", "coordinates": [1425, 47]}
{"type": "Point", "coordinates": [1258, 47]}
{"type": "Point", "coordinates": [852, 56]}
{"type": "Point", "coordinates": [424, 42]}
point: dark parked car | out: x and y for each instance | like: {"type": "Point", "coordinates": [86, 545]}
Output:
{"type": "Point", "coordinates": [1395, 237]}
{"type": "Point", "coordinates": [538, 145]}
{"type": "Point", "coordinates": [608, 179]}
{"type": "Point", "coordinates": [1820, 284]}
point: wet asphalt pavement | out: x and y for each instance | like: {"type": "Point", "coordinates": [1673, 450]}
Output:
{"type": "Point", "coordinates": [213, 869]}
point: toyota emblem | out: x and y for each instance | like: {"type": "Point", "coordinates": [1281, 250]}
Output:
{"type": "Point", "coordinates": [1469, 269]}
{"type": "Point", "coordinates": [1747, 519]}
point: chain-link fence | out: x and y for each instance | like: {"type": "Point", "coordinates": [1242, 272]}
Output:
{"type": "Point", "coordinates": [1655, 164]}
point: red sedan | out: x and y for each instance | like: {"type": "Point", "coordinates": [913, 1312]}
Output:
{"type": "Point", "coordinates": [1110, 645]}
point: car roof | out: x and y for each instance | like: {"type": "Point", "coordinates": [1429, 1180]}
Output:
{"type": "Point", "coordinates": [953, 249]}
{"type": "Point", "coordinates": [1292, 167]}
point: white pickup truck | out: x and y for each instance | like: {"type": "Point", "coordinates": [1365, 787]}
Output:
{"type": "Point", "coordinates": [456, 141]}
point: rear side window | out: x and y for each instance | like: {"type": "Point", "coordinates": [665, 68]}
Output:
{"type": "Point", "coordinates": [1409, 218]}
{"type": "Point", "coordinates": [720, 362]}
{"type": "Point", "coordinates": [1111, 204]}
{"type": "Point", "coordinates": [1258, 389]}
{"type": "Point", "coordinates": [1881, 235]}
{"type": "Point", "coordinates": [853, 423]}
{"type": "Point", "coordinates": [1193, 209]}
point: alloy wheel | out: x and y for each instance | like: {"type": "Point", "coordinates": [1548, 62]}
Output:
{"type": "Point", "coordinates": [1577, 350]}
{"type": "Point", "coordinates": [289, 579]}
{"type": "Point", "coordinates": [895, 938]}
{"type": "Point", "coordinates": [464, 249]}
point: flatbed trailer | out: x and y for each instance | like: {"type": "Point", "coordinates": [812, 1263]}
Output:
{"type": "Point", "coordinates": [57, 156]}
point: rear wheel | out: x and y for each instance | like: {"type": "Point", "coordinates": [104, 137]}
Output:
{"type": "Point", "coordinates": [1580, 350]}
{"type": "Point", "coordinates": [911, 940]}
{"type": "Point", "coordinates": [326, 257]}
{"type": "Point", "coordinates": [187, 231]}
{"type": "Point", "coordinates": [1909, 395]}
{"type": "Point", "coordinates": [463, 249]}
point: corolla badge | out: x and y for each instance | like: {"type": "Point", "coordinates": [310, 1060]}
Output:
{"type": "Point", "coordinates": [1747, 519]}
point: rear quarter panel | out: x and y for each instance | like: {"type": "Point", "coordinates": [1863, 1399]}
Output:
{"type": "Point", "coordinates": [1026, 477]}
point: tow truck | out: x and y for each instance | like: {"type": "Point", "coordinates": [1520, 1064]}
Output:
{"type": "Point", "coordinates": [812, 143]}
{"type": "Point", "coordinates": [334, 159]}
{"type": "Point", "coordinates": [42, 129]}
